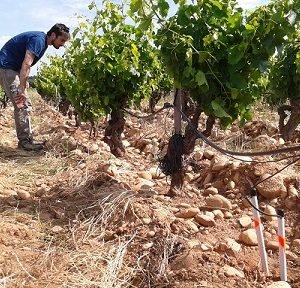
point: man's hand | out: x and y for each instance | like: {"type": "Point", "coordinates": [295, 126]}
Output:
{"type": "Point", "coordinates": [20, 100]}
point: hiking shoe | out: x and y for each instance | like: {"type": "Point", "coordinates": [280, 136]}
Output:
{"type": "Point", "coordinates": [28, 145]}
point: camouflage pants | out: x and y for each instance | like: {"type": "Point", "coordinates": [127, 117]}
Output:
{"type": "Point", "coordinates": [10, 82]}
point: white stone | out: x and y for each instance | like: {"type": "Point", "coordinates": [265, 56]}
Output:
{"type": "Point", "coordinates": [218, 201]}
{"type": "Point", "coordinates": [24, 195]}
{"type": "Point", "coordinates": [187, 213]}
{"type": "Point", "coordinates": [57, 229]}
{"type": "Point", "coordinates": [145, 175]}
{"type": "Point", "coordinates": [272, 211]}
{"type": "Point", "coordinates": [146, 221]}
{"type": "Point", "coordinates": [205, 220]}
{"type": "Point", "coordinates": [93, 148]}
{"type": "Point", "coordinates": [208, 154]}
{"type": "Point", "coordinates": [147, 245]}
{"type": "Point", "coordinates": [231, 272]}
{"type": "Point", "coordinates": [210, 191]}
{"type": "Point", "coordinates": [233, 245]}
{"type": "Point", "coordinates": [245, 221]}
{"type": "Point", "coordinates": [218, 214]}
{"type": "Point", "coordinates": [126, 143]}
{"type": "Point", "coordinates": [279, 284]}
{"type": "Point", "coordinates": [272, 187]}
{"type": "Point", "coordinates": [249, 237]}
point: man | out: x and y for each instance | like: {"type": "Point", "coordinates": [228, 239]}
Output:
{"type": "Point", "coordinates": [16, 57]}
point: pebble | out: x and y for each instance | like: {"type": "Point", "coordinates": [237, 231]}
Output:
{"type": "Point", "coordinates": [24, 195]}
{"type": "Point", "coordinates": [296, 243]}
{"type": "Point", "coordinates": [174, 209]}
{"type": "Point", "coordinates": [208, 178]}
{"type": "Point", "coordinates": [192, 225]}
{"type": "Point", "coordinates": [279, 284]}
{"type": "Point", "coordinates": [210, 214]}
{"type": "Point", "coordinates": [126, 143]}
{"type": "Point", "coordinates": [218, 214]}
{"type": "Point", "coordinates": [291, 256]}
{"type": "Point", "coordinates": [193, 243]}
{"type": "Point", "coordinates": [249, 237]}
{"type": "Point", "coordinates": [57, 229]}
{"type": "Point", "coordinates": [93, 148]}
{"type": "Point", "coordinates": [184, 205]}
{"type": "Point", "coordinates": [110, 169]}
{"type": "Point", "coordinates": [245, 221]}
{"type": "Point", "coordinates": [198, 155]}
{"type": "Point", "coordinates": [233, 245]}
{"type": "Point", "coordinates": [208, 154]}
{"type": "Point", "coordinates": [228, 215]}
{"type": "Point", "coordinates": [187, 213]}
{"type": "Point", "coordinates": [231, 184]}
{"type": "Point", "coordinates": [41, 191]}
{"type": "Point", "coordinates": [210, 191]}
{"type": "Point", "coordinates": [146, 221]}
{"type": "Point", "coordinates": [219, 166]}
{"type": "Point", "coordinates": [272, 245]}
{"type": "Point", "coordinates": [145, 175]}
{"type": "Point", "coordinates": [270, 210]}
{"type": "Point", "coordinates": [206, 247]}
{"type": "Point", "coordinates": [147, 245]}
{"type": "Point", "coordinates": [205, 220]}
{"type": "Point", "coordinates": [143, 184]}
{"type": "Point", "coordinates": [151, 234]}
{"type": "Point", "coordinates": [231, 272]}
{"type": "Point", "coordinates": [9, 193]}
{"type": "Point", "coordinates": [218, 201]}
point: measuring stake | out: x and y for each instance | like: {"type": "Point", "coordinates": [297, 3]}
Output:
{"type": "Point", "coordinates": [281, 240]}
{"type": "Point", "coordinates": [259, 233]}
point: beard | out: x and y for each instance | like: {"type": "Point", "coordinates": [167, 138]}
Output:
{"type": "Point", "coordinates": [53, 44]}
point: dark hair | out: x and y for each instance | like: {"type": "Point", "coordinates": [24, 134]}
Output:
{"type": "Point", "coordinates": [58, 29]}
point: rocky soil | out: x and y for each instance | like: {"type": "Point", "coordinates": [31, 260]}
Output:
{"type": "Point", "coordinates": [76, 216]}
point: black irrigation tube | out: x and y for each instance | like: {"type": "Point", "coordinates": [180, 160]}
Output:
{"type": "Point", "coordinates": [254, 193]}
{"type": "Point", "coordinates": [280, 212]}
{"type": "Point", "coordinates": [227, 152]}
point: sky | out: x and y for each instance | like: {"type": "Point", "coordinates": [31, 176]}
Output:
{"type": "Point", "coordinates": [40, 15]}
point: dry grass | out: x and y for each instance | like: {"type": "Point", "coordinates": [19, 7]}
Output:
{"type": "Point", "coordinates": [25, 173]}
{"type": "Point", "coordinates": [78, 258]}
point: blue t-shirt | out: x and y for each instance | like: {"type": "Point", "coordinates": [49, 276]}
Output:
{"type": "Point", "coordinates": [13, 52]}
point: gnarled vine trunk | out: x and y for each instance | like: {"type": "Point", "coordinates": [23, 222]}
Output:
{"type": "Point", "coordinates": [183, 145]}
{"type": "Point", "coordinates": [113, 133]}
{"type": "Point", "coordinates": [154, 99]}
{"type": "Point", "coordinates": [288, 126]}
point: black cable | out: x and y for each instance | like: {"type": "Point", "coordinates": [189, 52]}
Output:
{"type": "Point", "coordinates": [229, 153]}
{"type": "Point", "coordinates": [264, 161]}
{"type": "Point", "coordinates": [254, 191]}
{"type": "Point", "coordinates": [277, 172]}
{"type": "Point", "coordinates": [257, 209]}
{"type": "Point", "coordinates": [263, 153]}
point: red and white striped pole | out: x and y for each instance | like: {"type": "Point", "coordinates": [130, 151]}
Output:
{"type": "Point", "coordinates": [281, 240]}
{"type": "Point", "coordinates": [259, 232]}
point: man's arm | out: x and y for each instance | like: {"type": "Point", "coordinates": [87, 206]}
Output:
{"type": "Point", "coordinates": [25, 70]}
